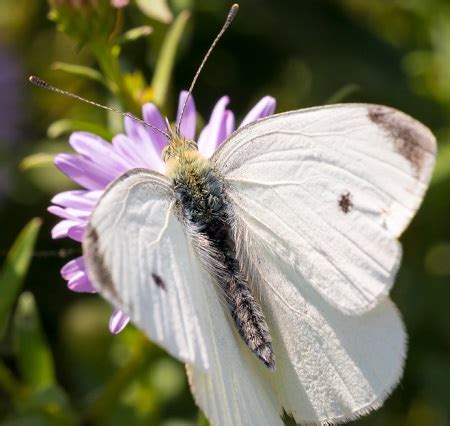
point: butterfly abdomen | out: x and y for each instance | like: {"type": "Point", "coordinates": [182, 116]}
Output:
{"type": "Point", "coordinates": [248, 317]}
{"type": "Point", "coordinates": [202, 206]}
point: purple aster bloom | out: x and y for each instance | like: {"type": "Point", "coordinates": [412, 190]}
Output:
{"type": "Point", "coordinates": [97, 163]}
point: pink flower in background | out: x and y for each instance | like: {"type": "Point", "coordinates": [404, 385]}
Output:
{"type": "Point", "coordinates": [99, 162]}
{"type": "Point", "coordinates": [119, 3]}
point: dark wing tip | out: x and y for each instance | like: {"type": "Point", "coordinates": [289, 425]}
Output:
{"type": "Point", "coordinates": [411, 139]}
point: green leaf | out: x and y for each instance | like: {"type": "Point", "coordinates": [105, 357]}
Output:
{"type": "Point", "coordinates": [341, 94]}
{"type": "Point", "coordinates": [79, 70]}
{"type": "Point", "coordinates": [201, 419]}
{"type": "Point", "coordinates": [41, 173]}
{"type": "Point", "coordinates": [34, 357]}
{"type": "Point", "coordinates": [442, 169]}
{"type": "Point", "coordinates": [166, 58]}
{"type": "Point", "coordinates": [9, 384]}
{"type": "Point", "coordinates": [15, 268]}
{"type": "Point", "coordinates": [108, 61]}
{"type": "Point", "coordinates": [40, 159]}
{"type": "Point", "coordinates": [156, 9]}
{"type": "Point", "coordinates": [134, 34]}
{"type": "Point", "coordinates": [109, 396]}
{"type": "Point", "coordinates": [67, 125]}
{"type": "Point", "coordinates": [48, 406]}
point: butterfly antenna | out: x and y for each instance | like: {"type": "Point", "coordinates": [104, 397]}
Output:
{"type": "Point", "coordinates": [41, 83]}
{"type": "Point", "coordinates": [231, 15]}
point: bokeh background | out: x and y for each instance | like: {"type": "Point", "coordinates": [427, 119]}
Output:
{"type": "Point", "coordinates": [58, 362]}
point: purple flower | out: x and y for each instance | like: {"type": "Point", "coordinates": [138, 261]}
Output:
{"type": "Point", "coordinates": [99, 162]}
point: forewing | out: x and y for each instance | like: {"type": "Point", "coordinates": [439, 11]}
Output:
{"type": "Point", "coordinates": [329, 190]}
{"type": "Point", "coordinates": [137, 256]}
{"type": "Point", "coordinates": [330, 367]}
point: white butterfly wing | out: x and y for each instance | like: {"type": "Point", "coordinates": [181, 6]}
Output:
{"type": "Point", "coordinates": [137, 256]}
{"type": "Point", "coordinates": [134, 234]}
{"type": "Point", "coordinates": [329, 189]}
{"type": "Point", "coordinates": [330, 367]}
{"type": "Point", "coordinates": [233, 391]}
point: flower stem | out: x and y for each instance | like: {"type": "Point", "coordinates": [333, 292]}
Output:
{"type": "Point", "coordinates": [107, 57]}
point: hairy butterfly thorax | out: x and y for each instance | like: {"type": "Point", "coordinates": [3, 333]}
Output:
{"type": "Point", "coordinates": [201, 204]}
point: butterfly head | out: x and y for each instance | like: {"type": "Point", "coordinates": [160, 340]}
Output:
{"type": "Point", "coordinates": [179, 152]}
{"type": "Point", "coordinates": [178, 145]}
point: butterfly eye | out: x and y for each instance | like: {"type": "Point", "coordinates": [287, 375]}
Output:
{"type": "Point", "coordinates": [166, 153]}
{"type": "Point", "coordinates": [177, 146]}
{"type": "Point", "coordinates": [191, 145]}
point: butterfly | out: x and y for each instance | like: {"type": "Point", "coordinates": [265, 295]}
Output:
{"type": "Point", "coordinates": [267, 268]}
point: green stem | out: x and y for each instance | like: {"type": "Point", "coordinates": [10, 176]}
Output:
{"type": "Point", "coordinates": [108, 61]}
{"type": "Point", "coordinates": [102, 406]}
{"type": "Point", "coordinates": [166, 59]}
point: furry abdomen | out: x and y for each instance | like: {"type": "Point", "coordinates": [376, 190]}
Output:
{"type": "Point", "coordinates": [202, 206]}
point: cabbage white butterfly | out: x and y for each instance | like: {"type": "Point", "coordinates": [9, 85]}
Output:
{"type": "Point", "coordinates": [267, 268]}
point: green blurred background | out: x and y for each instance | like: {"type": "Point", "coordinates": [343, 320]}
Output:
{"type": "Point", "coordinates": [303, 53]}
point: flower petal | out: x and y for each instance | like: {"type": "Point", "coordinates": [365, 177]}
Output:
{"type": "Point", "coordinates": [76, 232]}
{"type": "Point", "coordinates": [83, 171]}
{"type": "Point", "coordinates": [229, 124]}
{"type": "Point", "coordinates": [69, 213]}
{"type": "Point", "coordinates": [61, 229]}
{"type": "Point", "coordinates": [118, 321]}
{"type": "Point", "coordinates": [215, 131]}
{"type": "Point", "coordinates": [78, 199]}
{"type": "Point", "coordinates": [80, 283]}
{"type": "Point", "coordinates": [126, 147]}
{"type": "Point", "coordinates": [61, 212]}
{"type": "Point", "coordinates": [98, 151]}
{"type": "Point", "coordinates": [189, 122]}
{"type": "Point", "coordinates": [152, 116]}
{"type": "Point", "coordinates": [154, 140]}
{"type": "Point", "coordinates": [265, 107]}
{"type": "Point", "coordinates": [73, 267]}
{"type": "Point", "coordinates": [143, 144]}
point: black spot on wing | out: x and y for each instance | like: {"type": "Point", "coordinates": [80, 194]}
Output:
{"type": "Point", "coordinates": [410, 138]}
{"type": "Point", "coordinates": [159, 282]}
{"type": "Point", "coordinates": [99, 272]}
{"type": "Point", "coordinates": [345, 202]}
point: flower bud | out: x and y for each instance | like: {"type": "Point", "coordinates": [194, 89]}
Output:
{"type": "Point", "coordinates": [86, 20]}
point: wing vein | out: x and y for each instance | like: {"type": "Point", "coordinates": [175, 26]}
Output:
{"type": "Point", "coordinates": [318, 250]}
